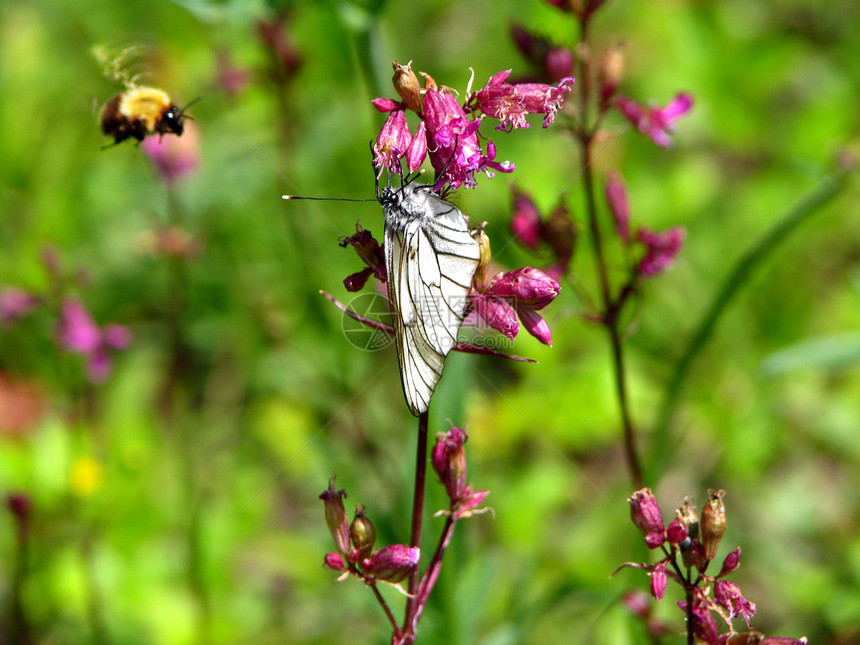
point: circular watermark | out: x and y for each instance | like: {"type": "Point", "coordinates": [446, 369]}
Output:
{"type": "Point", "coordinates": [374, 307]}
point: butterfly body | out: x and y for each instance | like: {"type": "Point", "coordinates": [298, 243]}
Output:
{"type": "Point", "coordinates": [430, 259]}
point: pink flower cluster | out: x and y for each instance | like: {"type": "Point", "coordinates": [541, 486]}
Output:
{"type": "Point", "coordinates": [693, 539]}
{"type": "Point", "coordinates": [355, 541]}
{"type": "Point", "coordinates": [448, 131]}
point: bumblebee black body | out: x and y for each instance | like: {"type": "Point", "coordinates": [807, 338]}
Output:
{"type": "Point", "coordinates": [140, 111]}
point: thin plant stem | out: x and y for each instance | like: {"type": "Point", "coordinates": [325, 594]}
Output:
{"type": "Point", "coordinates": [431, 575]}
{"type": "Point", "coordinates": [417, 513]}
{"type": "Point", "coordinates": [386, 609]}
{"type": "Point", "coordinates": [610, 308]}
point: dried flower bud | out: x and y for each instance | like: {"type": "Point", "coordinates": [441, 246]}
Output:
{"type": "Point", "coordinates": [658, 580]}
{"type": "Point", "coordinates": [689, 517]}
{"type": "Point", "coordinates": [394, 562]}
{"type": "Point", "coordinates": [731, 563]}
{"type": "Point", "coordinates": [480, 278]}
{"type": "Point", "coordinates": [335, 516]}
{"type": "Point", "coordinates": [408, 86]}
{"type": "Point", "coordinates": [611, 72]}
{"type": "Point", "coordinates": [362, 532]}
{"type": "Point", "coordinates": [334, 561]}
{"type": "Point", "coordinates": [745, 638]}
{"type": "Point", "coordinates": [560, 233]}
{"type": "Point", "coordinates": [646, 514]}
{"type": "Point", "coordinates": [713, 523]}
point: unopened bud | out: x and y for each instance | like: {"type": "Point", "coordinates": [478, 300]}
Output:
{"type": "Point", "coordinates": [449, 462]}
{"type": "Point", "coordinates": [408, 86]}
{"type": "Point", "coordinates": [658, 580]}
{"type": "Point", "coordinates": [394, 562]}
{"type": "Point", "coordinates": [527, 287]}
{"type": "Point", "coordinates": [646, 514]}
{"type": "Point", "coordinates": [713, 523]}
{"type": "Point", "coordinates": [335, 516]}
{"type": "Point", "coordinates": [676, 532]}
{"type": "Point", "coordinates": [334, 561]}
{"type": "Point", "coordinates": [362, 532]}
{"type": "Point", "coordinates": [731, 563]}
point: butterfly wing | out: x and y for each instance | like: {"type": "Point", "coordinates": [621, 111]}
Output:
{"type": "Point", "coordinates": [430, 267]}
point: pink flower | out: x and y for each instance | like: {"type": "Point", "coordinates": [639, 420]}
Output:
{"type": "Point", "coordinates": [510, 103]}
{"type": "Point", "coordinates": [392, 142]}
{"type": "Point", "coordinates": [394, 563]}
{"type": "Point", "coordinates": [728, 595]}
{"type": "Point", "coordinates": [496, 313]}
{"type": "Point", "coordinates": [174, 157]}
{"type": "Point", "coordinates": [656, 123]}
{"type": "Point", "coordinates": [77, 332]}
{"type": "Point", "coordinates": [525, 222]}
{"type": "Point", "coordinates": [658, 580]}
{"type": "Point", "coordinates": [448, 126]}
{"type": "Point", "coordinates": [660, 250]}
{"type": "Point", "coordinates": [616, 197]}
{"type": "Point", "coordinates": [15, 303]}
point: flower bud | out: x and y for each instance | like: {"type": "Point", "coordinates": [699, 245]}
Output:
{"type": "Point", "coordinates": [730, 563]}
{"type": "Point", "coordinates": [713, 523]}
{"type": "Point", "coordinates": [676, 532]}
{"type": "Point", "coordinates": [560, 234]}
{"type": "Point", "coordinates": [408, 86]}
{"type": "Point", "coordinates": [528, 288]}
{"type": "Point", "coordinates": [417, 150]}
{"type": "Point", "coordinates": [558, 64]}
{"type": "Point", "coordinates": [646, 514]}
{"type": "Point", "coordinates": [616, 197]}
{"type": "Point", "coordinates": [496, 313]}
{"type": "Point", "coordinates": [394, 562]}
{"type": "Point", "coordinates": [449, 462]}
{"type": "Point", "coordinates": [525, 222]}
{"type": "Point", "coordinates": [658, 580]}
{"type": "Point", "coordinates": [535, 324]}
{"type": "Point", "coordinates": [335, 516]}
{"type": "Point", "coordinates": [362, 532]}
{"type": "Point", "coordinates": [334, 561]}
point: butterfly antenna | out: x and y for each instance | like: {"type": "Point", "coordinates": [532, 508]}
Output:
{"type": "Point", "coordinates": [448, 163]}
{"type": "Point", "coordinates": [325, 199]}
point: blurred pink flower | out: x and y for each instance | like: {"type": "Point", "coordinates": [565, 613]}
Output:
{"type": "Point", "coordinates": [15, 302]}
{"type": "Point", "coordinates": [174, 157]}
{"type": "Point", "coordinates": [77, 332]}
{"type": "Point", "coordinates": [661, 249]}
{"type": "Point", "coordinates": [656, 123]}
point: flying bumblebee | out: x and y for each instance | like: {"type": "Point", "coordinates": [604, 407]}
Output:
{"type": "Point", "coordinates": [139, 110]}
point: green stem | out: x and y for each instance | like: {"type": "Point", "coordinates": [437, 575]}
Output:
{"type": "Point", "coordinates": [737, 277]}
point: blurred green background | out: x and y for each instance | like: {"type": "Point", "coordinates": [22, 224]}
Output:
{"type": "Point", "coordinates": [177, 502]}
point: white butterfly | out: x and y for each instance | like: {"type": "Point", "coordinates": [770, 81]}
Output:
{"type": "Point", "coordinates": [430, 259]}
